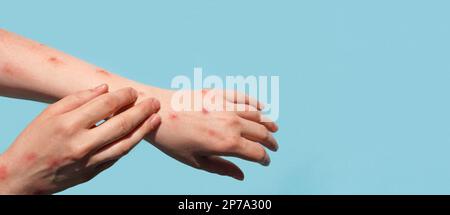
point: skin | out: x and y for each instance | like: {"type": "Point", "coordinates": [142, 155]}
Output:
{"type": "Point", "coordinates": [30, 70]}
{"type": "Point", "coordinates": [63, 147]}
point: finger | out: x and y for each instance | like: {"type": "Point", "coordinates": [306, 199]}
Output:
{"type": "Point", "coordinates": [251, 113]}
{"type": "Point", "coordinates": [126, 122]}
{"type": "Point", "coordinates": [218, 165]}
{"type": "Point", "coordinates": [242, 98]}
{"type": "Point", "coordinates": [248, 150]}
{"type": "Point", "coordinates": [102, 167]}
{"type": "Point", "coordinates": [269, 123]}
{"type": "Point", "coordinates": [258, 133]}
{"type": "Point", "coordinates": [75, 100]}
{"type": "Point", "coordinates": [105, 165]}
{"type": "Point", "coordinates": [104, 106]}
{"type": "Point", "coordinates": [126, 144]}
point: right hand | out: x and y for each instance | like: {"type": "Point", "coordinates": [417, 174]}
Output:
{"type": "Point", "coordinates": [63, 146]}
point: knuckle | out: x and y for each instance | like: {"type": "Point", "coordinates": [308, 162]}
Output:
{"type": "Point", "coordinates": [66, 127]}
{"type": "Point", "coordinates": [130, 94]}
{"type": "Point", "coordinates": [232, 144]}
{"type": "Point", "coordinates": [265, 135]}
{"type": "Point", "coordinates": [77, 97]}
{"type": "Point", "coordinates": [123, 125]}
{"type": "Point", "coordinates": [233, 120]}
{"type": "Point", "coordinates": [110, 102]}
{"type": "Point", "coordinates": [76, 152]}
{"type": "Point", "coordinates": [147, 106]}
{"type": "Point", "coordinates": [153, 105]}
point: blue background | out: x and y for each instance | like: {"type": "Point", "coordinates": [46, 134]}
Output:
{"type": "Point", "coordinates": [364, 86]}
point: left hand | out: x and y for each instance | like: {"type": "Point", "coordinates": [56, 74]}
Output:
{"type": "Point", "coordinates": [200, 138]}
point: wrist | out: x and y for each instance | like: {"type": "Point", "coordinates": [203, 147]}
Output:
{"type": "Point", "coordinates": [9, 184]}
{"type": "Point", "coordinates": [162, 95]}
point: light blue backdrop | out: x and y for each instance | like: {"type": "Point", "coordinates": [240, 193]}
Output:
{"type": "Point", "coordinates": [364, 86]}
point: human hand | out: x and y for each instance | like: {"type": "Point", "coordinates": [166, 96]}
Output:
{"type": "Point", "coordinates": [199, 138]}
{"type": "Point", "coordinates": [64, 147]}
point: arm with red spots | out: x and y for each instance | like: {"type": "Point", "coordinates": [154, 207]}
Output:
{"type": "Point", "coordinates": [197, 138]}
{"type": "Point", "coordinates": [34, 71]}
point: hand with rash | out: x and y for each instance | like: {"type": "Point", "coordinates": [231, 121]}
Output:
{"type": "Point", "coordinates": [199, 138]}
{"type": "Point", "coordinates": [30, 70]}
{"type": "Point", "coordinates": [64, 146]}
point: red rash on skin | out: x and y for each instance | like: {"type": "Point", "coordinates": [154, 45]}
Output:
{"type": "Point", "coordinates": [205, 111]}
{"type": "Point", "coordinates": [55, 60]}
{"type": "Point", "coordinates": [11, 70]}
{"type": "Point", "coordinates": [30, 157]}
{"type": "Point", "coordinates": [53, 163]}
{"type": "Point", "coordinates": [102, 72]}
{"type": "Point", "coordinates": [8, 69]}
{"type": "Point", "coordinates": [173, 116]}
{"type": "Point", "coordinates": [211, 133]}
{"type": "Point", "coordinates": [3, 173]}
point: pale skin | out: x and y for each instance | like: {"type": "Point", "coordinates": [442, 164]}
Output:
{"type": "Point", "coordinates": [30, 70]}
{"type": "Point", "coordinates": [63, 147]}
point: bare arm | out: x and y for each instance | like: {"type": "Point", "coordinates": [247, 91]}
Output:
{"type": "Point", "coordinates": [30, 70]}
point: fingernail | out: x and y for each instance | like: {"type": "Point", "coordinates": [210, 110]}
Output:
{"type": "Point", "coordinates": [99, 87]}
{"type": "Point", "coordinates": [261, 106]}
{"type": "Point", "coordinates": [238, 178]}
{"type": "Point", "coordinates": [276, 147]}
{"type": "Point", "coordinates": [266, 161]}
{"type": "Point", "coordinates": [155, 104]}
{"type": "Point", "coordinates": [275, 127]}
{"type": "Point", "coordinates": [154, 120]}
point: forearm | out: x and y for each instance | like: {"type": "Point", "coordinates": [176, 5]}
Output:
{"type": "Point", "coordinates": [197, 138]}
{"type": "Point", "coordinates": [30, 70]}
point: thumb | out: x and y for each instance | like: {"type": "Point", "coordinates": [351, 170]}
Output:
{"type": "Point", "coordinates": [218, 165]}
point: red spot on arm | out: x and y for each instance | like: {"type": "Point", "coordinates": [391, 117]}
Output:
{"type": "Point", "coordinates": [8, 69]}
{"type": "Point", "coordinates": [11, 70]}
{"type": "Point", "coordinates": [102, 72]}
{"type": "Point", "coordinates": [211, 133]}
{"type": "Point", "coordinates": [3, 173]}
{"type": "Point", "coordinates": [173, 116]}
{"type": "Point", "coordinates": [30, 157]}
{"type": "Point", "coordinates": [205, 111]}
{"type": "Point", "coordinates": [204, 91]}
{"type": "Point", "coordinates": [55, 60]}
